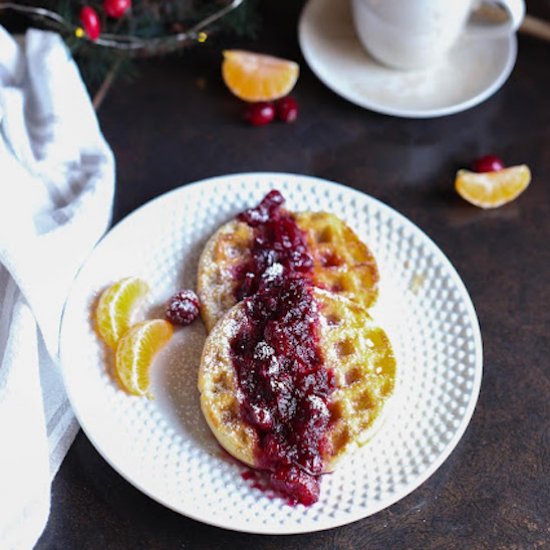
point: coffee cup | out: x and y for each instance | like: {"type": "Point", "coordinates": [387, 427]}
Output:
{"type": "Point", "coordinates": [417, 34]}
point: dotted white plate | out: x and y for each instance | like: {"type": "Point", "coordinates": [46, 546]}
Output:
{"type": "Point", "coordinates": [164, 447]}
{"type": "Point", "coordinates": [473, 70]}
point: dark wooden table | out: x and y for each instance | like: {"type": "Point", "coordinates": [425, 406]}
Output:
{"type": "Point", "coordinates": [178, 124]}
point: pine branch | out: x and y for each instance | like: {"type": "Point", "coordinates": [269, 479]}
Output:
{"type": "Point", "coordinates": [151, 28]}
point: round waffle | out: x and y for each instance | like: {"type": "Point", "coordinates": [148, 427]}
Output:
{"type": "Point", "coordinates": [354, 348]}
{"type": "Point", "coordinates": [342, 263]}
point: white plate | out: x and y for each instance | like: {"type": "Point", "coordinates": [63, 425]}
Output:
{"type": "Point", "coordinates": [165, 448]}
{"type": "Point", "coordinates": [473, 70]}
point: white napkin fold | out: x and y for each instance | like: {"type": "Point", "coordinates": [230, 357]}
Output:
{"type": "Point", "coordinates": [56, 192]}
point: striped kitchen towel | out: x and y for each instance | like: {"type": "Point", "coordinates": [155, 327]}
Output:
{"type": "Point", "coordinates": [56, 192]}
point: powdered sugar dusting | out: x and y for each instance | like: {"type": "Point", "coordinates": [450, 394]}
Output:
{"type": "Point", "coordinates": [216, 284]}
{"type": "Point", "coordinates": [273, 272]}
{"type": "Point", "coordinates": [263, 351]}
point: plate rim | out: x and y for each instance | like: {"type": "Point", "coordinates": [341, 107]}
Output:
{"type": "Point", "coordinates": [351, 517]}
{"type": "Point", "coordinates": [377, 107]}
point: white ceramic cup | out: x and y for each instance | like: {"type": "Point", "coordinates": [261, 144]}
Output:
{"type": "Point", "coordinates": [416, 34]}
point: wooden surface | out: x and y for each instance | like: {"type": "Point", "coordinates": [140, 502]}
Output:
{"type": "Point", "coordinates": [177, 124]}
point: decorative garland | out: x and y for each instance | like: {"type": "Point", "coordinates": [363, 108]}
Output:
{"type": "Point", "coordinates": [92, 19]}
{"type": "Point", "coordinates": [104, 36]}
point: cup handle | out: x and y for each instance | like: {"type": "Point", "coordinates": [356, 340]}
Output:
{"type": "Point", "coordinates": [495, 19]}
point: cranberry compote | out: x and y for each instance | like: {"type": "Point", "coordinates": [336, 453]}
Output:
{"type": "Point", "coordinates": [278, 251]}
{"type": "Point", "coordinates": [284, 385]}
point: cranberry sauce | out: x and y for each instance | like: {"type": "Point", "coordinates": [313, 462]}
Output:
{"type": "Point", "coordinates": [279, 249]}
{"type": "Point", "coordinates": [284, 385]}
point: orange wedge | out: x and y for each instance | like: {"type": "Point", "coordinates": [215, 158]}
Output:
{"type": "Point", "coordinates": [257, 77]}
{"type": "Point", "coordinates": [492, 189]}
{"type": "Point", "coordinates": [135, 353]}
{"type": "Point", "coordinates": [113, 314]}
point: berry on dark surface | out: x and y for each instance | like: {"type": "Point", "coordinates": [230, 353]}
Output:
{"type": "Point", "coordinates": [259, 114]}
{"type": "Point", "coordinates": [182, 308]}
{"type": "Point", "coordinates": [287, 109]}
{"type": "Point", "coordinates": [487, 163]}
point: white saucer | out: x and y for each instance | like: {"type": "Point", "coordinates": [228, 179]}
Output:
{"type": "Point", "coordinates": [473, 70]}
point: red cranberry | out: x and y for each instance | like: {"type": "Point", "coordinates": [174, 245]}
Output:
{"type": "Point", "coordinates": [89, 19]}
{"type": "Point", "coordinates": [183, 308]}
{"type": "Point", "coordinates": [488, 163]}
{"type": "Point", "coordinates": [116, 8]}
{"type": "Point", "coordinates": [259, 114]}
{"type": "Point", "coordinates": [287, 109]}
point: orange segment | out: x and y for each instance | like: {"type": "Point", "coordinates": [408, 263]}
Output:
{"type": "Point", "coordinates": [257, 77]}
{"type": "Point", "coordinates": [492, 189]}
{"type": "Point", "coordinates": [113, 314]}
{"type": "Point", "coordinates": [135, 353]}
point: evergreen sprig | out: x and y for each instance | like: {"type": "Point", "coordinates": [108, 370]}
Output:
{"type": "Point", "coordinates": [150, 28]}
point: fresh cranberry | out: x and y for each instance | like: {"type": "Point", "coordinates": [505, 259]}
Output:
{"type": "Point", "coordinates": [287, 109]}
{"type": "Point", "coordinates": [487, 163]}
{"type": "Point", "coordinates": [182, 308]}
{"type": "Point", "coordinates": [259, 114]}
{"type": "Point", "coordinates": [116, 8]}
{"type": "Point", "coordinates": [89, 19]}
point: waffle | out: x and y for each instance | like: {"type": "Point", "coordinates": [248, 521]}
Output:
{"type": "Point", "coordinates": [353, 346]}
{"type": "Point", "coordinates": [342, 263]}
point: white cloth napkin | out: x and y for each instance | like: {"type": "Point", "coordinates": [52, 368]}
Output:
{"type": "Point", "coordinates": [56, 192]}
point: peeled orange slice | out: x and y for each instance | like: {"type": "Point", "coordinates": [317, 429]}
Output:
{"type": "Point", "coordinates": [257, 77]}
{"type": "Point", "coordinates": [492, 189]}
{"type": "Point", "coordinates": [113, 314]}
{"type": "Point", "coordinates": [135, 353]}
